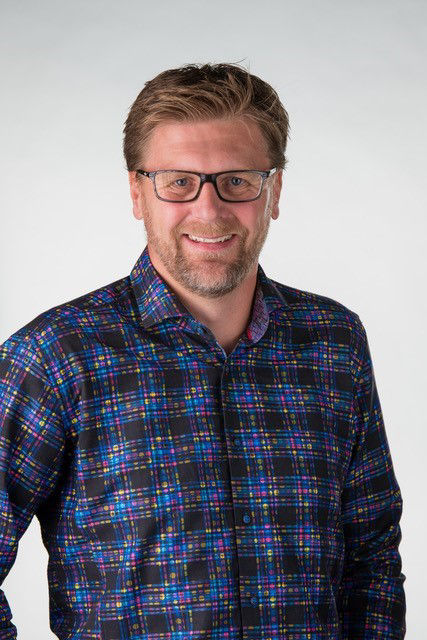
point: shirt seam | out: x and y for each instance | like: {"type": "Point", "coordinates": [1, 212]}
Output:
{"type": "Point", "coordinates": [52, 384]}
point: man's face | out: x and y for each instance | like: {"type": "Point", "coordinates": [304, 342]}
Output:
{"type": "Point", "coordinates": [208, 270]}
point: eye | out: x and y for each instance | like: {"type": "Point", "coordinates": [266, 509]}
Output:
{"type": "Point", "coordinates": [236, 181]}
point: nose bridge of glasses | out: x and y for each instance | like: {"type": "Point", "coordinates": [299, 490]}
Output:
{"type": "Point", "coordinates": [208, 177]}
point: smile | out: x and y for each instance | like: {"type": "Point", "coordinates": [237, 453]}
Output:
{"type": "Point", "coordinates": [219, 239]}
{"type": "Point", "coordinates": [211, 243]}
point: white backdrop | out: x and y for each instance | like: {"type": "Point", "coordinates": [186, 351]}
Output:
{"type": "Point", "coordinates": [353, 212]}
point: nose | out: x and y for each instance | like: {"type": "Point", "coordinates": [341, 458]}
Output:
{"type": "Point", "coordinates": [208, 204]}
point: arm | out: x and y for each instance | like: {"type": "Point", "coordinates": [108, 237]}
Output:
{"type": "Point", "coordinates": [31, 448]}
{"type": "Point", "coordinates": [371, 601]}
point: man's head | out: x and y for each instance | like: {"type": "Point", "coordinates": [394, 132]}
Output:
{"type": "Point", "coordinates": [206, 119]}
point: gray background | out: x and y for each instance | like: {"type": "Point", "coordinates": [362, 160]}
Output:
{"type": "Point", "coordinates": [352, 223]}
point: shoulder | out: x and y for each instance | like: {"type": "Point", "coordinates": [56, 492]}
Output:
{"type": "Point", "coordinates": [313, 318]}
{"type": "Point", "coordinates": [313, 309]}
{"type": "Point", "coordinates": [65, 326]}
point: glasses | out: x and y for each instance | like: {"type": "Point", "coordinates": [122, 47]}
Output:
{"type": "Point", "coordinates": [172, 185]}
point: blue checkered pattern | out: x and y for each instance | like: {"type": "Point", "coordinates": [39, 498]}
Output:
{"type": "Point", "coordinates": [184, 493]}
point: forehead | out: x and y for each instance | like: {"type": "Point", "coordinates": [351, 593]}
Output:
{"type": "Point", "coordinates": [207, 146]}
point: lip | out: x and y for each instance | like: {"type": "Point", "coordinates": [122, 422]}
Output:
{"type": "Point", "coordinates": [209, 246]}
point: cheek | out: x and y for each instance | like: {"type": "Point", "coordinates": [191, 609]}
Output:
{"type": "Point", "coordinates": [170, 221]}
{"type": "Point", "coordinates": [256, 219]}
{"type": "Point", "coordinates": [248, 216]}
{"type": "Point", "coordinates": [175, 219]}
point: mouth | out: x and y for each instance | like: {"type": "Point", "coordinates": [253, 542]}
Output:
{"type": "Point", "coordinates": [206, 243]}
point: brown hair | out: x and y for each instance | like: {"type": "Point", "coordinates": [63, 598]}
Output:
{"type": "Point", "coordinates": [197, 92]}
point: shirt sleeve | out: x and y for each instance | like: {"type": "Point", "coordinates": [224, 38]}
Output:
{"type": "Point", "coordinates": [31, 449]}
{"type": "Point", "coordinates": [371, 602]}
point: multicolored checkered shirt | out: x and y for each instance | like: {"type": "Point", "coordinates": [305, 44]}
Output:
{"type": "Point", "coordinates": [185, 493]}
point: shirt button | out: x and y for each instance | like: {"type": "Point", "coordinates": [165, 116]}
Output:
{"type": "Point", "coordinates": [246, 518]}
{"type": "Point", "coordinates": [254, 600]}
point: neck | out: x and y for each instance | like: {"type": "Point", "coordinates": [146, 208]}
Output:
{"type": "Point", "coordinates": [227, 316]}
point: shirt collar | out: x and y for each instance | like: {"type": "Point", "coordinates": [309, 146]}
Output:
{"type": "Point", "coordinates": [157, 301]}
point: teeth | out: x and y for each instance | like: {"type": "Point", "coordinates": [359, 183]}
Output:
{"type": "Point", "coordinates": [221, 239]}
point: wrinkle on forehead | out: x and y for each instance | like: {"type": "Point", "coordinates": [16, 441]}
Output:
{"type": "Point", "coordinates": [198, 143]}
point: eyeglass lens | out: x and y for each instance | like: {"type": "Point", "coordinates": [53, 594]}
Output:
{"type": "Point", "coordinates": [236, 186]}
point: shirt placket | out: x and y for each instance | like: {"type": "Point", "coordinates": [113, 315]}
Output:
{"type": "Point", "coordinates": [243, 515]}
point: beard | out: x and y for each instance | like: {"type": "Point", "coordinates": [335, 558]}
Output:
{"type": "Point", "coordinates": [209, 274]}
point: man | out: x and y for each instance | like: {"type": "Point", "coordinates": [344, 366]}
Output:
{"type": "Point", "coordinates": [203, 446]}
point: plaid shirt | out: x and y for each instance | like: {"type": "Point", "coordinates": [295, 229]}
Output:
{"type": "Point", "coordinates": [184, 493]}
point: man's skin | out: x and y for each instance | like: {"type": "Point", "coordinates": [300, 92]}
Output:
{"type": "Point", "coordinates": [216, 283]}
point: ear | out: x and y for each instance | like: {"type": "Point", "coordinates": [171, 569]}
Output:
{"type": "Point", "coordinates": [136, 193]}
{"type": "Point", "coordinates": [277, 188]}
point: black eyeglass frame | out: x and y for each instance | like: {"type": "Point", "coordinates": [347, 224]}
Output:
{"type": "Point", "coordinates": [207, 177]}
